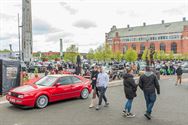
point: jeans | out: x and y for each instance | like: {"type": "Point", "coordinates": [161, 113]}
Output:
{"type": "Point", "coordinates": [150, 100]}
{"type": "Point", "coordinates": [128, 105]}
{"type": "Point", "coordinates": [102, 91]}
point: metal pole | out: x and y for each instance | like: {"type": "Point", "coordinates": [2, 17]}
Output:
{"type": "Point", "coordinates": [19, 38]}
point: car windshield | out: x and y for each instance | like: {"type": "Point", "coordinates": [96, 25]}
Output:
{"type": "Point", "coordinates": [46, 81]}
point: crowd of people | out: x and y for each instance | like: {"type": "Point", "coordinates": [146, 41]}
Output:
{"type": "Point", "coordinates": [148, 83]}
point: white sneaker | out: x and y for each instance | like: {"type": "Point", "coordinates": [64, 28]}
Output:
{"type": "Point", "coordinates": [130, 115]}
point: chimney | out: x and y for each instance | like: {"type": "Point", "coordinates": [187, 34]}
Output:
{"type": "Point", "coordinates": [128, 26]}
{"type": "Point", "coordinates": [144, 24]}
{"type": "Point", "coordinates": [162, 21]}
{"type": "Point", "coordinates": [184, 18]}
{"type": "Point", "coordinates": [113, 28]}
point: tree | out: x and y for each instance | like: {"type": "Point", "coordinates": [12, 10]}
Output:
{"type": "Point", "coordinates": [71, 53]}
{"type": "Point", "coordinates": [118, 56]}
{"type": "Point", "coordinates": [91, 54]}
{"type": "Point", "coordinates": [146, 54]}
{"type": "Point", "coordinates": [106, 52]}
{"type": "Point", "coordinates": [131, 55]}
{"type": "Point", "coordinates": [171, 55]}
{"type": "Point", "coordinates": [54, 57]}
{"type": "Point", "coordinates": [155, 56]}
{"type": "Point", "coordinates": [98, 54]}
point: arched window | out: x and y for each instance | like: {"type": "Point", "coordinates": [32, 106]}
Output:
{"type": "Point", "coordinates": [174, 47]}
{"type": "Point", "coordinates": [152, 46]}
{"type": "Point", "coordinates": [142, 48]}
{"type": "Point", "coordinates": [134, 46]}
{"type": "Point", "coordinates": [162, 47]}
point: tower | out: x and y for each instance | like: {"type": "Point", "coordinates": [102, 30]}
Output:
{"type": "Point", "coordinates": [27, 42]}
{"type": "Point", "coordinates": [61, 48]}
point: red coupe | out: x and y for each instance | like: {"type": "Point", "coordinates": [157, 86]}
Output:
{"type": "Point", "coordinates": [50, 88]}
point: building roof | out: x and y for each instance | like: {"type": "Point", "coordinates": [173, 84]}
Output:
{"type": "Point", "coordinates": [149, 29]}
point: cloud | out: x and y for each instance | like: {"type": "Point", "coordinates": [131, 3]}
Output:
{"type": "Point", "coordinates": [56, 36]}
{"type": "Point", "coordinates": [67, 7]}
{"type": "Point", "coordinates": [85, 24]}
{"type": "Point", "coordinates": [133, 14]}
{"type": "Point", "coordinates": [42, 27]}
{"type": "Point", "coordinates": [173, 11]}
{"type": "Point", "coordinates": [120, 12]}
{"type": "Point", "coordinates": [6, 16]}
{"type": "Point", "coordinates": [8, 36]}
{"type": "Point", "coordinates": [62, 3]}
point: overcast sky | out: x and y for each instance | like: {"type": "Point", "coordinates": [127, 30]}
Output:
{"type": "Point", "coordinates": [83, 22]}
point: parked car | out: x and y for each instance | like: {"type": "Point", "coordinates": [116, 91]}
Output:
{"type": "Point", "coordinates": [48, 89]}
{"type": "Point", "coordinates": [185, 67]}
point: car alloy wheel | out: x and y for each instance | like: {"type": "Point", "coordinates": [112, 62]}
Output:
{"type": "Point", "coordinates": [42, 101]}
{"type": "Point", "coordinates": [84, 93]}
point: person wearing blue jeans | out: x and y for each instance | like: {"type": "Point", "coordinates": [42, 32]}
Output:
{"type": "Point", "coordinates": [150, 100]}
{"type": "Point", "coordinates": [102, 83]}
{"type": "Point", "coordinates": [128, 105]}
{"type": "Point", "coordinates": [130, 88]}
{"type": "Point", "coordinates": [149, 84]}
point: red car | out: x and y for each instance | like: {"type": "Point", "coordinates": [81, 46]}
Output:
{"type": "Point", "coordinates": [50, 88]}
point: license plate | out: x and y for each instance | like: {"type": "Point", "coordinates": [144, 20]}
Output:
{"type": "Point", "coordinates": [12, 100]}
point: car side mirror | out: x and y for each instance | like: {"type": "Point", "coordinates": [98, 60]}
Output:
{"type": "Point", "coordinates": [57, 84]}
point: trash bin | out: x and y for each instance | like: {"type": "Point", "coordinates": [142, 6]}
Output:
{"type": "Point", "coordinates": [9, 75]}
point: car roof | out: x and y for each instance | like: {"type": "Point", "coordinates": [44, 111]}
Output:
{"type": "Point", "coordinates": [60, 75]}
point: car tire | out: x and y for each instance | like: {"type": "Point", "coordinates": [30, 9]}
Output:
{"type": "Point", "coordinates": [42, 101]}
{"type": "Point", "coordinates": [84, 93]}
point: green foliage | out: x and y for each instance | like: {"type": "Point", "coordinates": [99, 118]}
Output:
{"type": "Point", "coordinates": [53, 57]}
{"type": "Point", "coordinates": [155, 56]}
{"type": "Point", "coordinates": [102, 53]}
{"type": "Point", "coordinates": [98, 54]}
{"type": "Point", "coordinates": [118, 56]}
{"type": "Point", "coordinates": [131, 55]}
{"type": "Point", "coordinates": [37, 54]}
{"type": "Point", "coordinates": [171, 55]}
{"type": "Point", "coordinates": [4, 51]}
{"type": "Point", "coordinates": [106, 52]}
{"type": "Point", "coordinates": [145, 54]}
{"type": "Point", "coordinates": [71, 53]}
{"type": "Point", "coordinates": [91, 54]}
{"type": "Point", "coordinates": [36, 71]}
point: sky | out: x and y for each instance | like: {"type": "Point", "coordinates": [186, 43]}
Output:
{"type": "Point", "coordinates": [83, 22]}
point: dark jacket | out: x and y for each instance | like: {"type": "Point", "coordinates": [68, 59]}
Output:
{"type": "Point", "coordinates": [130, 86]}
{"type": "Point", "coordinates": [148, 83]}
{"type": "Point", "coordinates": [179, 71]}
{"type": "Point", "coordinates": [94, 74]}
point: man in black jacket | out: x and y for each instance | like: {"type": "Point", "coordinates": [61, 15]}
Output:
{"type": "Point", "coordinates": [179, 73]}
{"type": "Point", "coordinates": [94, 75]}
{"type": "Point", "coordinates": [149, 84]}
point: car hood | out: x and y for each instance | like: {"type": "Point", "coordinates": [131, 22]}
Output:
{"type": "Point", "coordinates": [27, 88]}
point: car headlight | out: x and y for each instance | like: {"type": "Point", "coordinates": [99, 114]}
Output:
{"type": "Point", "coordinates": [21, 96]}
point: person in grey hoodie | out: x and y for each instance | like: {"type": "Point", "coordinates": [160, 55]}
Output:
{"type": "Point", "coordinates": [149, 84]}
{"type": "Point", "coordinates": [102, 83]}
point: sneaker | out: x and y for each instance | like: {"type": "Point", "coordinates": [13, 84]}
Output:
{"type": "Point", "coordinates": [130, 115]}
{"type": "Point", "coordinates": [106, 104]}
{"type": "Point", "coordinates": [124, 113]}
{"type": "Point", "coordinates": [98, 107]}
{"type": "Point", "coordinates": [148, 116]}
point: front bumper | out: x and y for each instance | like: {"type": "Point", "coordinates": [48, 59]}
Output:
{"type": "Point", "coordinates": [21, 102]}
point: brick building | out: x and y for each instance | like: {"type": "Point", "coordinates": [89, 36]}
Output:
{"type": "Point", "coordinates": [164, 36]}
